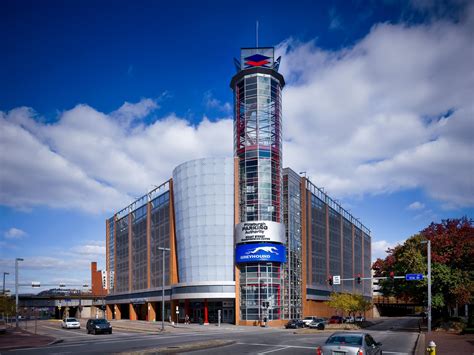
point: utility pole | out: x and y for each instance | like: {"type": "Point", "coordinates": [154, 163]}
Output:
{"type": "Point", "coordinates": [16, 290]}
{"type": "Point", "coordinates": [163, 289]}
{"type": "Point", "coordinates": [4, 273]}
{"type": "Point", "coordinates": [428, 242]}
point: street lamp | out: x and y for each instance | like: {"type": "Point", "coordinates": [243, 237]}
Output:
{"type": "Point", "coordinates": [428, 242]}
{"type": "Point", "coordinates": [163, 289]}
{"type": "Point", "coordinates": [4, 273]}
{"type": "Point", "coordinates": [16, 290]}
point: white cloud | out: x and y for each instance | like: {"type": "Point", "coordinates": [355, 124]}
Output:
{"type": "Point", "coordinates": [392, 112]}
{"type": "Point", "coordinates": [212, 103]}
{"type": "Point", "coordinates": [96, 162]}
{"type": "Point", "coordinates": [90, 249]}
{"type": "Point", "coordinates": [379, 248]}
{"type": "Point", "coordinates": [416, 206]}
{"type": "Point", "coordinates": [15, 233]}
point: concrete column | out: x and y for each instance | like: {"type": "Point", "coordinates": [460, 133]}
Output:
{"type": "Point", "coordinates": [151, 312]}
{"type": "Point", "coordinates": [132, 312]}
{"type": "Point", "coordinates": [108, 312]}
{"type": "Point", "coordinates": [118, 313]}
{"type": "Point", "coordinates": [206, 313]}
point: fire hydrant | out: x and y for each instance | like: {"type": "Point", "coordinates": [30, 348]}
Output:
{"type": "Point", "coordinates": [431, 349]}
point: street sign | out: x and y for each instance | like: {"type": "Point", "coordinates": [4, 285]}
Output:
{"type": "Point", "coordinates": [336, 280]}
{"type": "Point", "coordinates": [413, 277]}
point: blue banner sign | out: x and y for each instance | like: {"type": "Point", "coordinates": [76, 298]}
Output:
{"type": "Point", "coordinates": [413, 277]}
{"type": "Point", "coordinates": [251, 253]}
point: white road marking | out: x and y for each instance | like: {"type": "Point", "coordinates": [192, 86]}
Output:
{"type": "Point", "coordinates": [394, 352]}
{"type": "Point", "coordinates": [274, 350]}
{"type": "Point", "coordinates": [288, 346]}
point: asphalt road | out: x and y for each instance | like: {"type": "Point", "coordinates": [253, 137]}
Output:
{"type": "Point", "coordinates": [398, 336]}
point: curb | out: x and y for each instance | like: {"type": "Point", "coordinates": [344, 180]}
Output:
{"type": "Point", "coordinates": [420, 344]}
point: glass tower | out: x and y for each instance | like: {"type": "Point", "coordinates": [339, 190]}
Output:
{"type": "Point", "coordinates": [257, 87]}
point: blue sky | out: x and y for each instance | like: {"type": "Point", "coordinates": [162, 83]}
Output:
{"type": "Point", "coordinates": [101, 100]}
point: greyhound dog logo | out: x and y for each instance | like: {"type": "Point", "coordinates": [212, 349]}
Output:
{"type": "Point", "coordinates": [271, 250]}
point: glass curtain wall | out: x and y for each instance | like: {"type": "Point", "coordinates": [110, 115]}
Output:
{"type": "Point", "coordinates": [319, 272]}
{"type": "Point", "coordinates": [347, 255]}
{"type": "Point", "coordinates": [257, 135]}
{"type": "Point", "coordinates": [121, 273]}
{"type": "Point", "coordinates": [358, 256]}
{"type": "Point", "coordinates": [111, 261]}
{"type": "Point", "coordinates": [367, 283]}
{"type": "Point", "coordinates": [160, 231]}
{"type": "Point", "coordinates": [139, 249]}
{"type": "Point", "coordinates": [261, 291]}
{"type": "Point", "coordinates": [293, 267]}
{"type": "Point", "coordinates": [258, 145]}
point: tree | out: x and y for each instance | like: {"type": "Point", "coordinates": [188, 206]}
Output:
{"type": "Point", "coordinates": [349, 303]}
{"type": "Point", "coordinates": [7, 305]}
{"type": "Point", "coordinates": [452, 254]}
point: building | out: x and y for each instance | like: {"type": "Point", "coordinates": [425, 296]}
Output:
{"type": "Point", "coordinates": [237, 238]}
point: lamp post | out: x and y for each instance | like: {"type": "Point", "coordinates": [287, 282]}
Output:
{"type": "Point", "coordinates": [163, 289]}
{"type": "Point", "coordinates": [428, 242]}
{"type": "Point", "coordinates": [4, 273]}
{"type": "Point", "coordinates": [16, 290]}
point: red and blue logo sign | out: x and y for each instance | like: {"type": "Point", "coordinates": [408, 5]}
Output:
{"type": "Point", "coordinates": [257, 60]}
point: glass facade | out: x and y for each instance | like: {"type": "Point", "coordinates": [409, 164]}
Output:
{"type": "Point", "coordinates": [318, 241]}
{"type": "Point", "coordinates": [111, 260]}
{"type": "Point", "coordinates": [139, 249]}
{"type": "Point", "coordinates": [257, 142]}
{"type": "Point", "coordinates": [160, 237]}
{"type": "Point", "coordinates": [258, 145]}
{"type": "Point", "coordinates": [122, 264]}
{"type": "Point", "coordinates": [129, 253]}
{"type": "Point", "coordinates": [292, 269]}
{"type": "Point", "coordinates": [338, 241]}
{"type": "Point", "coordinates": [204, 209]}
{"type": "Point", "coordinates": [261, 288]}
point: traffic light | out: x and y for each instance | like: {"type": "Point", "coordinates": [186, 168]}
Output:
{"type": "Point", "coordinates": [392, 275]}
{"type": "Point", "coordinates": [330, 280]}
{"type": "Point", "coordinates": [358, 278]}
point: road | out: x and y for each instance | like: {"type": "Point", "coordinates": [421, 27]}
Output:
{"type": "Point", "coordinates": [398, 336]}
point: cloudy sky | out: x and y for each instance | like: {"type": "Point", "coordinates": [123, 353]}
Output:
{"type": "Point", "coordinates": [100, 101]}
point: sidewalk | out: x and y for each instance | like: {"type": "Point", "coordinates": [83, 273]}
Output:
{"type": "Point", "coordinates": [451, 343]}
{"type": "Point", "coordinates": [17, 338]}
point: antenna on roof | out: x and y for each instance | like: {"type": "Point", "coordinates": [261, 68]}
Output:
{"type": "Point", "coordinates": [256, 33]}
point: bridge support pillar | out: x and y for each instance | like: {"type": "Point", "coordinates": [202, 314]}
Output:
{"type": "Point", "coordinates": [118, 313]}
{"type": "Point", "coordinates": [132, 311]}
{"type": "Point", "coordinates": [151, 312]}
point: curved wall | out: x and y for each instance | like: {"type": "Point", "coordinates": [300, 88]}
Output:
{"type": "Point", "coordinates": [204, 212]}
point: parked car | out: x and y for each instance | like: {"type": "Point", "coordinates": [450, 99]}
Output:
{"type": "Point", "coordinates": [318, 323]}
{"type": "Point", "coordinates": [3, 326]}
{"type": "Point", "coordinates": [336, 320]}
{"type": "Point", "coordinates": [96, 326]}
{"type": "Point", "coordinates": [350, 344]}
{"type": "Point", "coordinates": [294, 324]}
{"type": "Point", "coordinates": [360, 319]}
{"type": "Point", "coordinates": [349, 319]}
{"type": "Point", "coordinates": [309, 319]}
{"type": "Point", "coordinates": [69, 323]}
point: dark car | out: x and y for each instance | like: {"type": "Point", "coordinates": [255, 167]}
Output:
{"type": "Point", "coordinates": [294, 324]}
{"type": "Point", "coordinates": [336, 320]}
{"type": "Point", "coordinates": [96, 326]}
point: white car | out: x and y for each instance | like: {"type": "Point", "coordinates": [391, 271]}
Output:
{"type": "Point", "coordinates": [309, 319]}
{"type": "Point", "coordinates": [69, 323]}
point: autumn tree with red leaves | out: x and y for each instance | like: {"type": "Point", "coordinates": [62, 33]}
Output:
{"type": "Point", "coordinates": [452, 256]}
